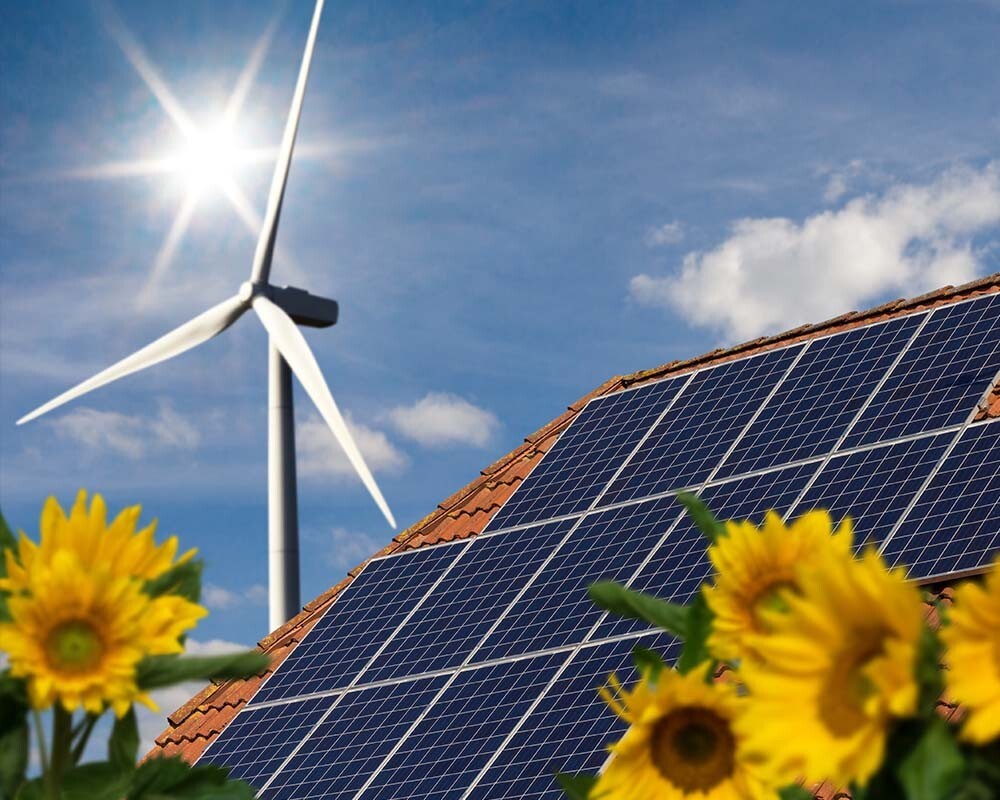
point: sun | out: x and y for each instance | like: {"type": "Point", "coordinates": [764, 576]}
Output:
{"type": "Point", "coordinates": [210, 158]}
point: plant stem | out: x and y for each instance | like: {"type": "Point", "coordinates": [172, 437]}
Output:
{"type": "Point", "coordinates": [62, 739]}
{"type": "Point", "coordinates": [84, 730]}
{"type": "Point", "coordinates": [43, 754]}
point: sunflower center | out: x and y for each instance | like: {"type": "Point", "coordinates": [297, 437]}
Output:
{"type": "Point", "coordinates": [771, 598]}
{"type": "Point", "coordinates": [693, 748]}
{"type": "Point", "coordinates": [74, 646]}
{"type": "Point", "coordinates": [848, 687]}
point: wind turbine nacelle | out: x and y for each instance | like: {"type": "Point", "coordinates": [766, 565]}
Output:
{"type": "Point", "coordinates": [304, 308]}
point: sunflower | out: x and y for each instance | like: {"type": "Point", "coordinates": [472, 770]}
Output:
{"type": "Point", "coordinates": [116, 547]}
{"type": "Point", "coordinates": [680, 743]}
{"type": "Point", "coordinates": [837, 665]}
{"type": "Point", "coordinates": [973, 641]}
{"type": "Point", "coordinates": [754, 565]}
{"type": "Point", "coordinates": [77, 634]}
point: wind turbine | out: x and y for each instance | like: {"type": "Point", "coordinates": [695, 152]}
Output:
{"type": "Point", "coordinates": [279, 309]}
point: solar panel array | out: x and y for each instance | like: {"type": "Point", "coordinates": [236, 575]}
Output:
{"type": "Point", "coordinates": [468, 669]}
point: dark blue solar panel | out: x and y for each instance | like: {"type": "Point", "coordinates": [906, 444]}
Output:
{"type": "Point", "coordinates": [940, 378]}
{"type": "Point", "coordinates": [689, 441]}
{"type": "Point", "coordinates": [463, 729]}
{"type": "Point", "coordinates": [679, 565]}
{"type": "Point", "coordinates": [348, 747]}
{"type": "Point", "coordinates": [470, 598]}
{"type": "Point", "coordinates": [587, 454]}
{"type": "Point", "coordinates": [875, 486]}
{"type": "Point", "coordinates": [259, 739]}
{"type": "Point", "coordinates": [556, 610]}
{"type": "Point", "coordinates": [357, 624]}
{"type": "Point", "coordinates": [821, 395]}
{"type": "Point", "coordinates": [955, 524]}
{"type": "Point", "coordinates": [570, 728]}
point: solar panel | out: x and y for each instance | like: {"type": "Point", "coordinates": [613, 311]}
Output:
{"type": "Point", "coordinates": [258, 740]}
{"type": "Point", "coordinates": [955, 524]}
{"type": "Point", "coordinates": [462, 729]}
{"type": "Point", "coordinates": [587, 454]}
{"type": "Point", "coordinates": [820, 396]}
{"type": "Point", "coordinates": [570, 729]}
{"type": "Point", "coordinates": [459, 611]}
{"type": "Point", "coordinates": [940, 378]}
{"type": "Point", "coordinates": [343, 752]}
{"type": "Point", "coordinates": [356, 625]}
{"type": "Point", "coordinates": [679, 565]}
{"type": "Point", "coordinates": [875, 486]}
{"type": "Point", "coordinates": [555, 610]}
{"type": "Point", "coordinates": [688, 443]}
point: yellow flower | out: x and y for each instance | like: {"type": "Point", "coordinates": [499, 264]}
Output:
{"type": "Point", "coordinates": [680, 743]}
{"type": "Point", "coordinates": [973, 657]}
{"type": "Point", "coordinates": [832, 671]}
{"type": "Point", "coordinates": [117, 547]}
{"type": "Point", "coordinates": [753, 566]}
{"type": "Point", "coordinates": [78, 632]}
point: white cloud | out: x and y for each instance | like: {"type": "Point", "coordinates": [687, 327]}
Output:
{"type": "Point", "coordinates": [132, 436]}
{"type": "Point", "coordinates": [319, 454]}
{"type": "Point", "coordinates": [219, 598]}
{"type": "Point", "coordinates": [440, 420]}
{"type": "Point", "coordinates": [671, 233]}
{"type": "Point", "coordinates": [350, 548]}
{"type": "Point", "coordinates": [775, 273]}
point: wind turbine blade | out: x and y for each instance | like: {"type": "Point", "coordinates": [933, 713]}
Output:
{"type": "Point", "coordinates": [292, 345]}
{"type": "Point", "coordinates": [265, 242]}
{"type": "Point", "coordinates": [190, 334]}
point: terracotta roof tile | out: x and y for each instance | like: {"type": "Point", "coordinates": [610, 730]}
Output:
{"type": "Point", "coordinates": [468, 510]}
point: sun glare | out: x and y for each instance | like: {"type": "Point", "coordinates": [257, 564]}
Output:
{"type": "Point", "coordinates": [210, 158]}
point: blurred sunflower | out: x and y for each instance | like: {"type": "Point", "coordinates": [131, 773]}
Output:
{"type": "Point", "coordinates": [754, 566]}
{"type": "Point", "coordinates": [680, 743]}
{"type": "Point", "coordinates": [840, 661]}
{"type": "Point", "coordinates": [973, 656]}
{"type": "Point", "coordinates": [117, 547]}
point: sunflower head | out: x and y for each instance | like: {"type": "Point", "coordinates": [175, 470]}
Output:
{"type": "Point", "coordinates": [754, 567]}
{"type": "Point", "coordinates": [681, 742]}
{"type": "Point", "coordinates": [843, 656]}
{"type": "Point", "coordinates": [973, 656]}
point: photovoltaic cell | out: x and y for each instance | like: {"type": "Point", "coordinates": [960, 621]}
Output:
{"type": "Point", "coordinates": [679, 565]}
{"type": "Point", "coordinates": [556, 610]}
{"type": "Point", "coordinates": [570, 728]}
{"type": "Point", "coordinates": [875, 486]}
{"type": "Point", "coordinates": [258, 740]}
{"type": "Point", "coordinates": [821, 395]}
{"type": "Point", "coordinates": [462, 730]}
{"type": "Point", "coordinates": [463, 606]}
{"type": "Point", "coordinates": [357, 623]}
{"type": "Point", "coordinates": [955, 524]}
{"type": "Point", "coordinates": [344, 751]}
{"type": "Point", "coordinates": [692, 437]}
{"type": "Point", "coordinates": [587, 454]}
{"type": "Point", "coordinates": [940, 378]}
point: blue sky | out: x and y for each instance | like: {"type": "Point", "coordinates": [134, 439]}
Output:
{"type": "Point", "coordinates": [512, 202]}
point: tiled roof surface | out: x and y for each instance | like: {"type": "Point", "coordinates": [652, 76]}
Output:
{"type": "Point", "coordinates": [465, 513]}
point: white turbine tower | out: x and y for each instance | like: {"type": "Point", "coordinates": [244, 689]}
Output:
{"type": "Point", "coordinates": [278, 309]}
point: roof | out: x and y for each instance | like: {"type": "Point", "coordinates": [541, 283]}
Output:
{"type": "Point", "coordinates": [465, 514]}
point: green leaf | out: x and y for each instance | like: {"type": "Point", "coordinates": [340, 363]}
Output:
{"type": "Point", "coordinates": [155, 672]}
{"type": "Point", "coordinates": [934, 767]}
{"type": "Point", "coordinates": [100, 780]}
{"type": "Point", "coordinates": [576, 787]}
{"type": "Point", "coordinates": [648, 662]}
{"type": "Point", "coordinates": [615, 598]}
{"type": "Point", "coordinates": [184, 580]}
{"type": "Point", "coordinates": [162, 778]}
{"type": "Point", "coordinates": [14, 735]}
{"type": "Point", "coordinates": [32, 790]}
{"type": "Point", "coordinates": [123, 746]}
{"type": "Point", "coordinates": [7, 542]}
{"type": "Point", "coordinates": [796, 792]}
{"type": "Point", "coordinates": [699, 627]}
{"type": "Point", "coordinates": [702, 517]}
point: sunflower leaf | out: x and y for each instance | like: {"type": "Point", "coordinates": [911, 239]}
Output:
{"type": "Point", "coordinates": [648, 662]}
{"type": "Point", "coordinates": [123, 746]}
{"type": "Point", "coordinates": [99, 780]}
{"type": "Point", "coordinates": [576, 787]}
{"type": "Point", "coordinates": [613, 597]}
{"type": "Point", "coordinates": [14, 735]}
{"type": "Point", "coordinates": [699, 627]}
{"type": "Point", "coordinates": [155, 672]}
{"type": "Point", "coordinates": [7, 542]}
{"type": "Point", "coordinates": [702, 517]}
{"type": "Point", "coordinates": [184, 579]}
{"type": "Point", "coordinates": [171, 778]}
{"type": "Point", "coordinates": [934, 767]}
